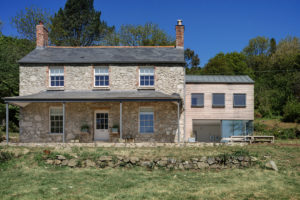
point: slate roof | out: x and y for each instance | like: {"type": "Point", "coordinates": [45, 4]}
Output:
{"type": "Point", "coordinates": [88, 95]}
{"type": "Point", "coordinates": [218, 79]}
{"type": "Point", "coordinates": [105, 55]}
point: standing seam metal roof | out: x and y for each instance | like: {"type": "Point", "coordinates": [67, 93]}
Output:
{"type": "Point", "coordinates": [243, 79]}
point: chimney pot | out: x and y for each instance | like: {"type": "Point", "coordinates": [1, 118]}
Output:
{"type": "Point", "coordinates": [179, 22]}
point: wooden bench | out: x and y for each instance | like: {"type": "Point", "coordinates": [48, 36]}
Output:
{"type": "Point", "coordinates": [263, 138]}
{"type": "Point", "coordinates": [252, 139]}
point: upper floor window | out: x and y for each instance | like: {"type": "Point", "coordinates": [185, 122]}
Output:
{"type": "Point", "coordinates": [146, 119]}
{"type": "Point", "coordinates": [146, 76]}
{"type": "Point", "coordinates": [101, 77]}
{"type": "Point", "coordinates": [56, 120]}
{"type": "Point", "coordinates": [239, 100]}
{"type": "Point", "coordinates": [197, 100]}
{"type": "Point", "coordinates": [218, 100]}
{"type": "Point", "coordinates": [57, 77]}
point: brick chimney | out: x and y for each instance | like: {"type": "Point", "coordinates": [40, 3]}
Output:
{"type": "Point", "coordinates": [179, 34]}
{"type": "Point", "coordinates": [41, 36]}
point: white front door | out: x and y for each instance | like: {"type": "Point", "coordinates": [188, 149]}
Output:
{"type": "Point", "coordinates": [101, 125]}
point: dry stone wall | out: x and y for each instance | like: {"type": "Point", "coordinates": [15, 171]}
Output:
{"type": "Point", "coordinates": [170, 163]}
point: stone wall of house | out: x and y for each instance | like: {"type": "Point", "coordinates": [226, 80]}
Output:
{"type": "Point", "coordinates": [78, 77]}
{"type": "Point", "coordinates": [32, 79]}
{"type": "Point", "coordinates": [34, 123]}
{"type": "Point", "coordinates": [165, 121]}
{"type": "Point", "coordinates": [168, 79]}
{"type": "Point", "coordinates": [34, 120]}
{"type": "Point", "coordinates": [123, 77]}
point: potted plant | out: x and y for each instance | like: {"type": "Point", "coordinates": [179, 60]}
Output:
{"type": "Point", "coordinates": [84, 135]}
{"type": "Point", "coordinates": [129, 138]}
{"type": "Point", "coordinates": [115, 129]}
{"type": "Point", "coordinates": [193, 137]}
{"type": "Point", "coordinates": [85, 128]}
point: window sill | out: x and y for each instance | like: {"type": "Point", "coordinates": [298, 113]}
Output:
{"type": "Point", "coordinates": [197, 106]}
{"type": "Point", "coordinates": [146, 88]}
{"type": "Point", "coordinates": [216, 106]}
{"type": "Point", "coordinates": [239, 106]}
{"type": "Point", "coordinates": [55, 133]}
{"type": "Point", "coordinates": [101, 88]}
{"type": "Point", "coordinates": [55, 88]}
{"type": "Point", "coordinates": [146, 133]}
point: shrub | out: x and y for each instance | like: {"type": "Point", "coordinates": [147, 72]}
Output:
{"type": "Point", "coordinates": [258, 127]}
{"type": "Point", "coordinates": [291, 111]}
{"type": "Point", "coordinates": [5, 156]}
{"type": "Point", "coordinates": [289, 133]}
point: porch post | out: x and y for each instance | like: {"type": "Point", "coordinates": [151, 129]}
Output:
{"type": "Point", "coordinates": [120, 119]}
{"type": "Point", "coordinates": [64, 120]}
{"type": "Point", "coordinates": [7, 121]}
{"type": "Point", "coordinates": [178, 111]}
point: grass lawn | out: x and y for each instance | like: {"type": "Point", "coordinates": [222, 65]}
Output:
{"type": "Point", "coordinates": [28, 178]}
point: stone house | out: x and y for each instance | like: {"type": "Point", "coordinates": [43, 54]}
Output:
{"type": "Point", "coordinates": [110, 92]}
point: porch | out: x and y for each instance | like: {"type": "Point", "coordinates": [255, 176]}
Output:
{"type": "Point", "coordinates": [61, 116]}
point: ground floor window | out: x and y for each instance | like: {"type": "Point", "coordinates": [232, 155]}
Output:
{"type": "Point", "coordinates": [56, 120]}
{"type": "Point", "coordinates": [236, 128]}
{"type": "Point", "coordinates": [146, 120]}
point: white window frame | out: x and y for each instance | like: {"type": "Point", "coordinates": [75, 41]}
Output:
{"type": "Point", "coordinates": [56, 74]}
{"type": "Point", "coordinates": [146, 74]}
{"type": "Point", "coordinates": [101, 73]}
{"type": "Point", "coordinates": [55, 107]}
{"type": "Point", "coordinates": [152, 112]}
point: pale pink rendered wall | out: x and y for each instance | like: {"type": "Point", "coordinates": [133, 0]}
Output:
{"type": "Point", "coordinates": [208, 112]}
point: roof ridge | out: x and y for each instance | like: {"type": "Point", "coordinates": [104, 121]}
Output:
{"type": "Point", "coordinates": [212, 75]}
{"type": "Point", "coordinates": [117, 47]}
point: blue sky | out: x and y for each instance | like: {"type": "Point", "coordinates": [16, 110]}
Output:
{"type": "Point", "coordinates": [210, 26]}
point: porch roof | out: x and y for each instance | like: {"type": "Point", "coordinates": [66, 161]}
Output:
{"type": "Point", "coordinates": [93, 96]}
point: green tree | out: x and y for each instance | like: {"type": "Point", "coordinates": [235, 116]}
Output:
{"type": "Point", "coordinates": [272, 46]}
{"type": "Point", "coordinates": [192, 62]}
{"type": "Point", "coordinates": [228, 64]}
{"type": "Point", "coordinates": [257, 46]}
{"type": "Point", "coordinates": [11, 50]}
{"type": "Point", "coordinates": [0, 27]}
{"type": "Point", "coordinates": [150, 34]}
{"type": "Point", "coordinates": [140, 35]}
{"type": "Point", "coordinates": [78, 24]}
{"type": "Point", "coordinates": [257, 53]}
{"type": "Point", "coordinates": [26, 20]}
{"type": "Point", "coordinates": [291, 111]}
{"type": "Point", "coordinates": [276, 76]}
